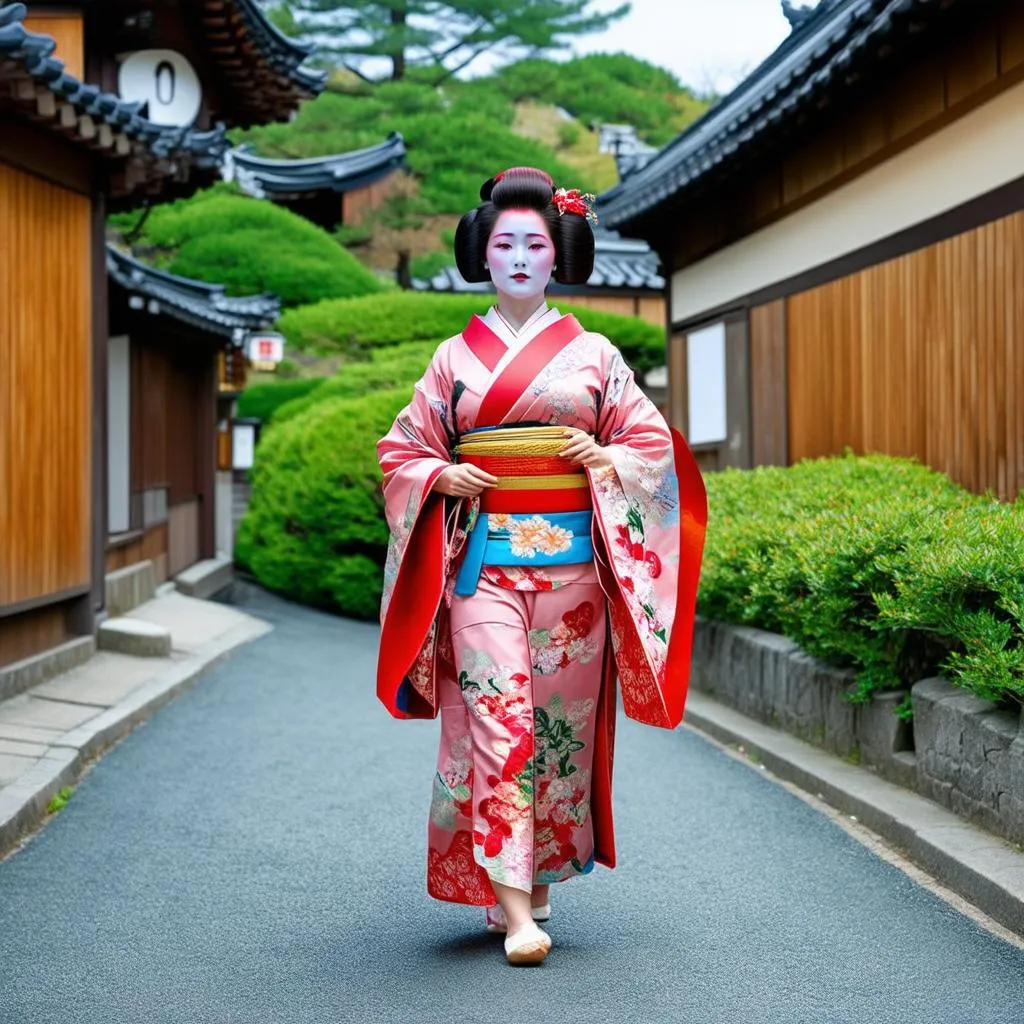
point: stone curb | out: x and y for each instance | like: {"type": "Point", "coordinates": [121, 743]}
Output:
{"type": "Point", "coordinates": [985, 870]}
{"type": "Point", "coordinates": [23, 804]}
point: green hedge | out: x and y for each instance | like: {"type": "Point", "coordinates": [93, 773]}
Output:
{"type": "Point", "coordinates": [263, 400]}
{"type": "Point", "coordinates": [315, 528]}
{"type": "Point", "coordinates": [251, 246]}
{"type": "Point", "coordinates": [877, 564]}
{"type": "Point", "coordinates": [394, 368]}
{"type": "Point", "coordinates": [356, 326]}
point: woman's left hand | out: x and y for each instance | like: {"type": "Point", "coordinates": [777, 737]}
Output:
{"type": "Point", "coordinates": [585, 451]}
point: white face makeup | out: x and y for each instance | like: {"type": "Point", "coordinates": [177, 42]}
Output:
{"type": "Point", "coordinates": [520, 254]}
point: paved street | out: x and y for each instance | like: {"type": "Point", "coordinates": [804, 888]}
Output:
{"type": "Point", "coordinates": [255, 854]}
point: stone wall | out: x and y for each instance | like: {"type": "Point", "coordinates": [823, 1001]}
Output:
{"type": "Point", "coordinates": [963, 752]}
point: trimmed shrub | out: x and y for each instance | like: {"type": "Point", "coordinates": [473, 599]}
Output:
{"type": "Point", "coordinates": [394, 368]}
{"type": "Point", "coordinates": [357, 326]}
{"type": "Point", "coordinates": [252, 246]}
{"type": "Point", "coordinates": [262, 400]}
{"type": "Point", "coordinates": [876, 564]}
{"type": "Point", "coordinates": [315, 528]}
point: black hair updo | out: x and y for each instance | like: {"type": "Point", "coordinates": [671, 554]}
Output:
{"type": "Point", "coordinates": [525, 188]}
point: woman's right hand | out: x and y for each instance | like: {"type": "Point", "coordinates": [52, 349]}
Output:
{"type": "Point", "coordinates": [464, 481]}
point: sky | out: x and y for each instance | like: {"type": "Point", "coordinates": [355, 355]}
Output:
{"type": "Point", "coordinates": [709, 44]}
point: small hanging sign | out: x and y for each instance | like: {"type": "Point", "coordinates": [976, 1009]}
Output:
{"type": "Point", "coordinates": [165, 83]}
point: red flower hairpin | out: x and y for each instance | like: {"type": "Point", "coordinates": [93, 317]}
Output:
{"type": "Point", "coordinates": [572, 200]}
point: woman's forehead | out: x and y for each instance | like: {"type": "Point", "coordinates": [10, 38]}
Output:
{"type": "Point", "coordinates": [520, 222]}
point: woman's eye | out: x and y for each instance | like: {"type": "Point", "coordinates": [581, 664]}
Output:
{"type": "Point", "coordinates": [538, 245]}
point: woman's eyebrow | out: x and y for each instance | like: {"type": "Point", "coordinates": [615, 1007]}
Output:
{"type": "Point", "coordinates": [532, 234]}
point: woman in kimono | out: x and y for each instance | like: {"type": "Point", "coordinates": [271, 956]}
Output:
{"type": "Point", "coordinates": [546, 537]}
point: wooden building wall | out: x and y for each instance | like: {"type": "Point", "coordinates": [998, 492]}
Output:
{"type": "Point", "coordinates": [173, 450]}
{"type": "Point", "coordinates": [919, 356]}
{"type": "Point", "coordinates": [45, 389]}
{"type": "Point", "coordinates": [68, 31]}
{"type": "Point", "coordinates": [896, 113]}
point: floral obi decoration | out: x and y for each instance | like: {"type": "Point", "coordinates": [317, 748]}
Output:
{"type": "Point", "coordinates": [538, 514]}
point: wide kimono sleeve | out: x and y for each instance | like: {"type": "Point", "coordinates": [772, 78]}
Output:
{"type": "Point", "coordinates": [651, 512]}
{"type": "Point", "coordinates": [412, 456]}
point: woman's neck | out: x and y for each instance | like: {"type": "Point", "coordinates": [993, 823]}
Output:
{"type": "Point", "coordinates": [516, 312]}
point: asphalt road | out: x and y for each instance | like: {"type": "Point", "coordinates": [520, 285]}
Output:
{"type": "Point", "coordinates": [255, 854]}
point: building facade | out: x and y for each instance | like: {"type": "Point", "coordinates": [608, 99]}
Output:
{"type": "Point", "coordinates": [103, 106]}
{"type": "Point", "coordinates": [844, 236]}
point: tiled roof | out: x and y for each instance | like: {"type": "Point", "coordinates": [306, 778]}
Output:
{"type": "Point", "coordinates": [44, 91]}
{"type": "Point", "coordinates": [264, 177]}
{"type": "Point", "coordinates": [620, 264]}
{"type": "Point", "coordinates": [192, 302]}
{"type": "Point", "coordinates": [829, 50]}
{"type": "Point", "coordinates": [265, 67]}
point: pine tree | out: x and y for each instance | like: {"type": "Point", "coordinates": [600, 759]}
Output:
{"type": "Point", "coordinates": [441, 37]}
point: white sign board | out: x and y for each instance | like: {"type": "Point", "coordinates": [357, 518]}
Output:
{"type": "Point", "coordinates": [266, 348]}
{"type": "Point", "coordinates": [705, 379]}
{"type": "Point", "coordinates": [243, 445]}
{"type": "Point", "coordinates": [165, 82]}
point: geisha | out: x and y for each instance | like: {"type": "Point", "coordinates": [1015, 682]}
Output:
{"type": "Point", "coordinates": [546, 536]}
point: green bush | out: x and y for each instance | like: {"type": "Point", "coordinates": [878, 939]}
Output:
{"type": "Point", "coordinates": [252, 246]}
{"type": "Point", "coordinates": [315, 528]}
{"type": "Point", "coordinates": [876, 564]}
{"type": "Point", "coordinates": [356, 326]}
{"type": "Point", "coordinates": [395, 368]}
{"type": "Point", "coordinates": [262, 400]}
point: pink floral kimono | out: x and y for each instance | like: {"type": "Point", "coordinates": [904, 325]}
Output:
{"type": "Point", "coordinates": [523, 672]}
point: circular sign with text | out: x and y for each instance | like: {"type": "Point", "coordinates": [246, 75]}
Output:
{"type": "Point", "coordinates": [165, 83]}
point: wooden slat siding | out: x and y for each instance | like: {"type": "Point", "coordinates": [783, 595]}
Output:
{"type": "Point", "coordinates": [22, 636]}
{"type": "Point", "coordinates": [919, 356]}
{"type": "Point", "coordinates": [678, 409]}
{"type": "Point", "coordinates": [68, 32]}
{"type": "Point", "coordinates": [45, 388]}
{"type": "Point", "coordinates": [183, 542]}
{"type": "Point", "coordinates": [652, 310]}
{"type": "Point", "coordinates": [182, 427]}
{"type": "Point", "coordinates": [904, 107]}
{"type": "Point", "coordinates": [768, 384]}
{"type": "Point", "coordinates": [150, 393]}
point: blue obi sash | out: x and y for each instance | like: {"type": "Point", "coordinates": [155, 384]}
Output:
{"type": "Point", "coordinates": [516, 538]}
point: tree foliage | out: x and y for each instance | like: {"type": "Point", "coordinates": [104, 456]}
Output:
{"type": "Point", "coordinates": [456, 139]}
{"type": "Point", "coordinates": [608, 88]}
{"type": "Point", "coordinates": [439, 38]}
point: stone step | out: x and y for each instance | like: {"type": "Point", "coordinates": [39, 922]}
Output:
{"type": "Point", "coordinates": [206, 578]}
{"type": "Point", "coordinates": [127, 588]}
{"type": "Point", "coordinates": [135, 636]}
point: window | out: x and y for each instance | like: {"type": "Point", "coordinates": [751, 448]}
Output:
{"type": "Point", "coordinates": [706, 385]}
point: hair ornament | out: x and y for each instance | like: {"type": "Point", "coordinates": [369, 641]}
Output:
{"type": "Point", "coordinates": [572, 200]}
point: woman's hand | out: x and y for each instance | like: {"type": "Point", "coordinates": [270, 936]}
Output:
{"type": "Point", "coordinates": [585, 451]}
{"type": "Point", "coordinates": [464, 481]}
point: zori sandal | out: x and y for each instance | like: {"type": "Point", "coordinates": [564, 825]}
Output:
{"type": "Point", "coordinates": [529, 945]}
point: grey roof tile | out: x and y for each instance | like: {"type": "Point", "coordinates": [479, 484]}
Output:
{"type": "Point", "coordinates": [197, 303]}
{"type": "Point", "coordinates": [340, 172]}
